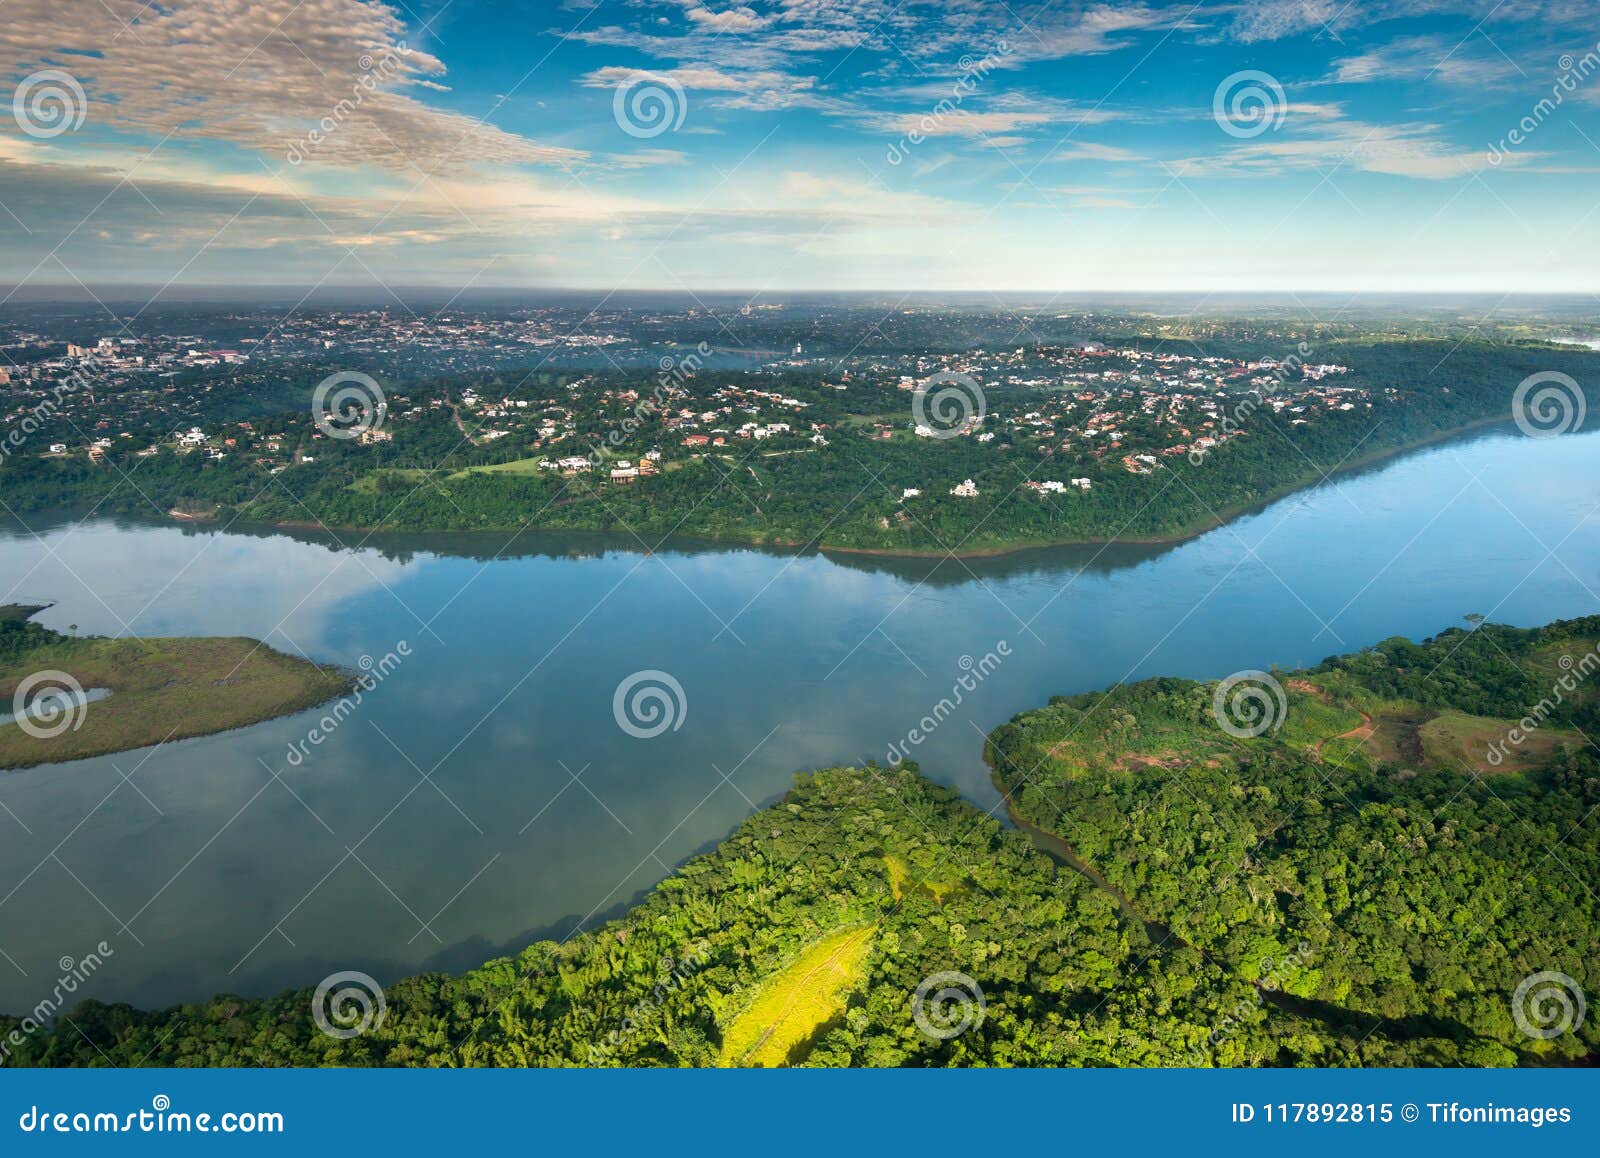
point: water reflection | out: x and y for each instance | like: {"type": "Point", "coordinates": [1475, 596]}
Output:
{"type": "Point", "coordinates": [484, 794]}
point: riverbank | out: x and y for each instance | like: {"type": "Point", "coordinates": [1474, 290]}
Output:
{"type": "Point", "coordinates": [1200, 527]}
{"type": "Point", "coordinates": [1209, 521]}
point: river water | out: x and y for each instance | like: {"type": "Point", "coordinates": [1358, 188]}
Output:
{"type": "Point", "coordinates": [483, 794]}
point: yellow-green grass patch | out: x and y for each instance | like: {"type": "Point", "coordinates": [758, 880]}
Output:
{"type": "Point", "coordinates": [1457, 740]}
{"type": "Point", "coordinates": [897, 875]}
{"type": "Point", "coordinates": [798, 1000]}
{"type": "Point", "coordinates": [161, 689]}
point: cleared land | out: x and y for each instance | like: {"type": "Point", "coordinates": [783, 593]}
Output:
{"type": "Point", "coordinates": [798, 1000]}
{"type": "Point", "coordinates": [161, 689]}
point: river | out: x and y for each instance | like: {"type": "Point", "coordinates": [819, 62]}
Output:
{"type": "Point", "coordinates": [483, 793]}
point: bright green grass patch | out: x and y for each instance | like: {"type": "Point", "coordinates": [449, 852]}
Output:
{"type": "Point", "coordinates": [798, 1000]}
{"type": "Point", "coordinates": [515, 466]}
{"type": "Point", "coordinates": [1309, 721]}
{"type": "Point", "coordinates": [367, 484]}
{"type": "Point", "coordinates": [161, 689]}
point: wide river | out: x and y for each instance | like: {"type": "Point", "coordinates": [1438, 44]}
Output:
{"type": "Point", "coordinates": [484, 795]}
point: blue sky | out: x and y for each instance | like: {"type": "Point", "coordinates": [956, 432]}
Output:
{"type": "Point", "coordinates": [781, 145]}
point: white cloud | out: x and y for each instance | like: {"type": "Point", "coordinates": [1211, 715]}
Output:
{"type": "Point", "coordinates": [261, 74]}
{"type": "Point", "coordinates": [1442, 59]}
{"type": "Point", "coordinates": [1397, 150]}
{"type": "Point", "coordinates": [1090, 151]}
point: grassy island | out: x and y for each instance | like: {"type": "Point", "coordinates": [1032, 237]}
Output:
{"type": "Point", "coordinates": [159, 689]}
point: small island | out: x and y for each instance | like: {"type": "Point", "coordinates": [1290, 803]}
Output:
{"type": "Point", "coordinates": [112, 695]}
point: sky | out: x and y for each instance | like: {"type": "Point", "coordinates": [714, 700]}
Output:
{"type": "Point", "coordinates": [772, 146]}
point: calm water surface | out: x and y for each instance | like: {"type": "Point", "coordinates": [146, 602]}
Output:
{"type": "Point", "coordinates": [484, 795]}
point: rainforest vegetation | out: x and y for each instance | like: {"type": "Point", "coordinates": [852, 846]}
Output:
{"type": "Point", "coordinates": [1361, 882]}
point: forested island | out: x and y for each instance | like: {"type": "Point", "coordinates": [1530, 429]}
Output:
{"type": "Point", "coordinates": [90, 695]}
{"type": "Point", "coordinates": [1364, 863]}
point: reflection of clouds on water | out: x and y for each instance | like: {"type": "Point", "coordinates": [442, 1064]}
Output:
{"type": "Point", "coordinates": [108, 578]}
{"type": "Point", "coordinates": [513, 700]}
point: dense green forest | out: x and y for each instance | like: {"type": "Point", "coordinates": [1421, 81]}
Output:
{"type": "Point", "coordinates": [847, 493]}
{"type": "Point", "coordinates": [1421, 814]}
{"type": "Point", "coordinates": [1358, 884]}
